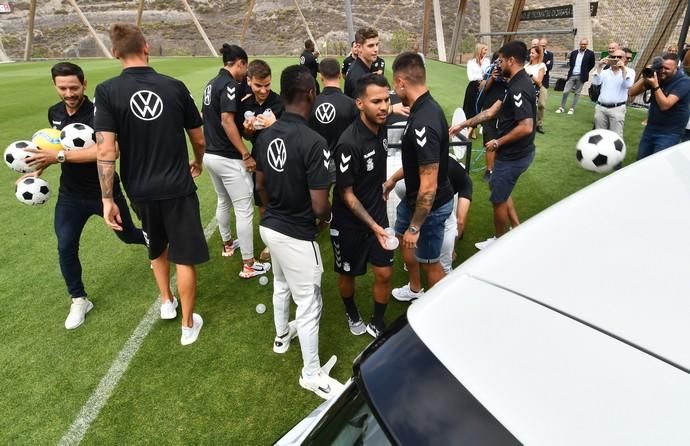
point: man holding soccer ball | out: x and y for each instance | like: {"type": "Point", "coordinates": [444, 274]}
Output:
{"type": "Point", "coordinates": [79, 195]}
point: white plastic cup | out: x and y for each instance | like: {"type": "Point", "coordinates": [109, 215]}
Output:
{"type": "Point", "coordinates": [248, 114]}
{"type": "Point", "coordinates": [263, 280]}
{"type": "Point", "coordinates": [392, 241]}
{"type": "Point", "coordinates": [261, 308]}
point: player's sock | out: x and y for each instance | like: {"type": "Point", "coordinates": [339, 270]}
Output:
{"type": "Point", "coordinates": [351, 308]}
{"type": "Point", "coordinates": [379, 311]}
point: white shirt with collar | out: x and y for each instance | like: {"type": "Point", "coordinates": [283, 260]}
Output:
{"type": "Point", "coordinates": [614, 85]}
{"type": "Point", "coordinates": [578, 62]}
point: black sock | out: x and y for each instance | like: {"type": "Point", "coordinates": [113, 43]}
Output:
{"type": "Point", "coordinates": [379, 310]}
{"type": "Point", "coordinates": [351, 308]}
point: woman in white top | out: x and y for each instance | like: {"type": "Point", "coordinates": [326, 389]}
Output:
{"type": "Point", "coordinates": [536, 70]}
{"type": "Point", "coordinates": [476, 67]}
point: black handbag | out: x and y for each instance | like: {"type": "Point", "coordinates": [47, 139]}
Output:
{"type": "Point", "coordinates": [560, 84]}
{"type": "Point", "coordinates": [594, 91]}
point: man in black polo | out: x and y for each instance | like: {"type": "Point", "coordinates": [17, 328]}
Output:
{"type": "Point", "coordinates": [143, 116]}
{"type": "Point", "coordinates": [333, 111]}
{"type": "Point", "coordinates": [358, 231]}
{"type": "Point", "coordinates": [309, 58]}
{"type": "Point", "coordinates": [514, 145]}
{"type": "Point", "coordinates": [292, 179]}
{"type": "Point", "coordinates": [428, 200]}
{"type": "Point", "coordinates": [347, 62]}
{"type": "Point", "coordinates": [367, 43]}
{"type": "Point", "coordinates": [79, 196]}
{"type": "Point", "coordinates": [228, 160]}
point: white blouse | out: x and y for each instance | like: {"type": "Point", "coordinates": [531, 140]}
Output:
{"type": "Point", "coordinates": [533, 69]}
{"type": "Point", "coordinates": [475, 72]}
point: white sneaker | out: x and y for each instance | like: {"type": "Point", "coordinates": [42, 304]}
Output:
{"type": "Point", "coordinates": [405, 294]}
{"type": "Point", "coordinates": [282, 343]}
{"type": "Point", "coordinates": [190, 334]}
{"type": "Point", "coordinates": [571, 111]}
{"type": "Point", "coordinates": [80, 306]}
{"type": "Point", "coordinates": [485, 243]}
{"type": "Point", "coordinates": [322, 385]}
{"type": "Point", "coordinates": [357, 327]}
{"type": "Point", "coordinates": [559, 110]}
{"type": "Point", "coordinates": [169, 309]}
{"type": "Point", "coordinates": [255, 269]}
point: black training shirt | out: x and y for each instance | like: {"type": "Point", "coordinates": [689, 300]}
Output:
{"type": "Point", "coordinates": [222, 94]}
{"type": "Point", "coordinates": [308, 60]}
{"type": "Point", "coordinates": [460, 181]}
{"type": "Point", "coordinates": [360, 161]}
{"type": "Point", "coordinates": [293, 160]}
{"type": "Point", "coordinates": [78, 179]}
{"type": "Point", "coordinates": [425, 141]}
{"type": "Point", "coordinates": [333, 112]}
{"type": "Point", "coordinates": [149, 112]}
{"type": "Point", "coordinates": [520, 102]}
{"type": "Point", "coordinates": [347, 62]}
{"type": "Point", "coordinates": [357, 70]}
{"type": "Point", "coordinates": [379, 64]}
{"type": "Point", "coordinates": [273, 103]}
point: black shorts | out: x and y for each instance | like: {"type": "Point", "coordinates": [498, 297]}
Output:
{"type": "Point", "coordinates": [174, 224]}
{"type": "Point", "coordinates": [353, 249]}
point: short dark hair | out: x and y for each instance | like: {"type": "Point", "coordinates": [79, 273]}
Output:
{"type": "Point", "coordinates": [232, 53]}
{"type": "Point", "coordinates": [308, 45]}
{"type": "Point", "coordinates": [67, 69]}
{"type": "Point", "coordinates": [295, 82]}
{"type": "Point", "coordinates": [329, 68]}
{"type": "Point", "coordinates": [411, 66]}
{"type": "Point", "coordinates": [363, 34]}
{"type": "Point", "coordinates": [370, 79]}
{"type": "Point", "coordinates": [127, 39]}
{"type": "Point", "coordinates": [259, 69]}
{"type": "Point", "coordinates": [515, 49]}
{"type": "Point", "coordinates": [670, 56]}
{"type": "Point", "coordinates": [627, 50]}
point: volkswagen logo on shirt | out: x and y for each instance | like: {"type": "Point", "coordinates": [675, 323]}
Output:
{"type": "Point", "coordinates": [277, 155]}
{"type": "Point", "coordinates": [146, 105]}
{"type": "Point", "coordinates": [325, 113]}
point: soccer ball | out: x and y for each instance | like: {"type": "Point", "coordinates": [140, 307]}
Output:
{"type": "Point", "coordinates": [600, 150]}
{"type": "Point", "coordinates": [47, 139]}
{"type": "Point", "coordinates": [15, 156]}
{"type": "Point", "coordinates": [32, 191]}
{"type": "Point", "coordinates": [77, 136]}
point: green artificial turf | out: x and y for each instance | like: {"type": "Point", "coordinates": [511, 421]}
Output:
{"type": "Point", "coordinates": [229, 387]}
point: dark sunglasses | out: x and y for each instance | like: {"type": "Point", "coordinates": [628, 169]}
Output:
{"type": "Point", "coordinates": [615, 57]}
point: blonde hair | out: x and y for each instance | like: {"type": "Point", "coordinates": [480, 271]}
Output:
{"type": "Point", "coordinates": [478, 49]}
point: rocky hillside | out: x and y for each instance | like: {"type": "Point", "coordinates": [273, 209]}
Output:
{"type": "Point", "coordinates": [275, 26]}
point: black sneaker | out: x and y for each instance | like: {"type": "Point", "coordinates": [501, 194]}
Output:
{"type": "Point", "coordinates": [373, 330]}
{"type": "Point", "coordinates": [487, 175]}
{"type": "Point", "coordinates": [540, 129]}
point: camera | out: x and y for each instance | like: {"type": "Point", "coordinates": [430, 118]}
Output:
{"type": "Point", "coordinates": [655, 67]}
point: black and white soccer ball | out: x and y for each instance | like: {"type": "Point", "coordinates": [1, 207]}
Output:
{"type": "Point", "coordinates": [600, 150]}
{"type": "Point", "coordinates": [15, 156]}
{"type": "Point", "coordinates": [77, 136]}
{"type": "Point", "coordinates": [32, 191]}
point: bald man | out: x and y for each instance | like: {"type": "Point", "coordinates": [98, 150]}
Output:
{"type": "Point", "coordinates": [581, 62]}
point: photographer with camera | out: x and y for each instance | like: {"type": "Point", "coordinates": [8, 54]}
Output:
{"type": "Point", "coordinates": [609, 113]}
{"type": "Point", "coordinates": [668, 105]}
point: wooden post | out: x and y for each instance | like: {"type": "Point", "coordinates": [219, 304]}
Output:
{"type": "Point", "coordinates": [485, 22]}
{"type": "Point", "coordinates": [425, 27]}
{"type": "Point", "coordinates": [29, 48]}
{"type": "Point", "coordinates": [514, 20]}
{"type": "Point", "coordinates": [140, 12]}
{"type": "Point", "coordinates": [664, 24]}
{"type": "Point", "coordinates": [306, 24]}
{"type": "Point", "coordinates": [440, 40]}
{"type": "Point", "coordinates": [199, 28]}
{"type": "Point", "coordinates": [457, 30]}
{"type": "Point", "coordinates": [245, 22]}
{"type": "Point", "coordinates": [83, 18]}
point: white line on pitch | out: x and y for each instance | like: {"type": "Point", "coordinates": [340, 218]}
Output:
{"type": "Point", "coordinates": [90, 410]}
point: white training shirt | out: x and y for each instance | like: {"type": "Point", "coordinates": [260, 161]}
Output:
{"type": "Point", "coordinates": [614, 85]}
{"type": "Point", "coordinates": [475, 72]}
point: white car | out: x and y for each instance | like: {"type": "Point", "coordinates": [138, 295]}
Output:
{"type": "Point", "coordinates": [572, 329]}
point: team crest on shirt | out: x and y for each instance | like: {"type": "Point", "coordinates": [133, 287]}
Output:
{"type": "Point", "coordinates": [277, 155]}
{"type": "Point", "coordinates": [146, 105]}
{"type": "Point", "coordinates": [517, 99]}
{"type": "Point", "coordinates": [385, 143]}
{"type": "Point", "coordinates": [301, 60]}
{"type": "Point", "coordinates": [421, 137]}
{"type": "Point", "coordinates": [230, 92]}
{"type": "Point", "coordinates": [344, 162]}
{"type": "Point", "coordinates": [325, 113]}
{"type": "Point", "coordinates": [346, 266]}
{"type": "Point", "coordinates": [369, 160]}
{"type": "Point", "coordinates": [207, 95]}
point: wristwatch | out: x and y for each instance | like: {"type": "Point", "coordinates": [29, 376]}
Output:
{"type": "Point", "coordinates": [60, 156]}
{"type": "Point", "coordinates": [413, 230]}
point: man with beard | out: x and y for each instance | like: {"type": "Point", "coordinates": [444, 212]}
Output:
{"type": "Point", "coordinates": [358, 231]}
{"type": "Point", "coordinates": [79, 195]}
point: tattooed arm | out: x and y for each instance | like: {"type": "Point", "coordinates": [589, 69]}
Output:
{"type": "Point", "coordinates": [428, 183]}
{"type": "Point", "coordinates": [482, 116]}
{"type": "Point", "coordinates": [106, 156]}
{"type": "Point", "coordinates": [356, 207]}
